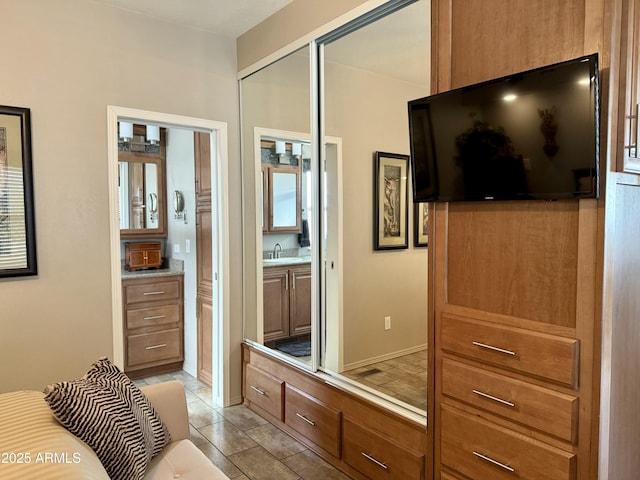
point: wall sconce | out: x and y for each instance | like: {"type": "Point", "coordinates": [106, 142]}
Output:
{"type": "Point", "coordinates": [296, 149]}
{"type": "Point", "coordinates": [178, 206]}
{"type": "Point", "coordinates": [126, 131]}
{"type": "Point", "coordinates": [281, 149]}
{"type": "Point", "coordinates": [153, 134]}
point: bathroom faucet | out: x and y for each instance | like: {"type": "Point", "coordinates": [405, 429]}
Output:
{"type": "Point", "coordinates": [277, 250]}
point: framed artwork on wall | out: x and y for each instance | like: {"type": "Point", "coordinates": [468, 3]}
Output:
{"type": "Point", "coordinates": [17, 224]}
{"type": "Point", "coordinates": [421, 224]}
{"type": "Point", "coordinates": [391, 201]}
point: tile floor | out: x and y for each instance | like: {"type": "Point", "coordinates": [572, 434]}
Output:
{"type": "Point", "coordinates": [404, 378]}
{"type": "Point", "coordinates": [242, 444]}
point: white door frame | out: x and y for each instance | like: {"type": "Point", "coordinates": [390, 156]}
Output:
{"type": "Point", "coordinates": [219, 175]}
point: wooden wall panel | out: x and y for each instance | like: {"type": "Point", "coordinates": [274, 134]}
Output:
{"type": "Point", "coordinates": [522, 35]}
{"type": "Point", "coordinates": [515, 258]}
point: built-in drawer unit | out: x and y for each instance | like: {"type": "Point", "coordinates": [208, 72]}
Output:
{"type": "Point", "coordinates": [546, 410]}
{"type": "Point", "coordinates": [151, 316]}
{"type": "Point", "coordinates": [265, 391]}
{"type": "Point", "coordinates": [153, 290]}
{"type": "Point", "coordinates": [312, 418]}
{"type": "Point", "coordinates": [547, 356]}
{"type": "Point", "coordinates": [154, 347]}
{"type": "Point", "coordinates": [481, 450]}
{"type": "Point", "coordinates": [378, 457]}
{"type": "Point", "coordinates": [153, 324]}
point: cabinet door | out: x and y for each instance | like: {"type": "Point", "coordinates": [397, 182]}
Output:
{"type": "Point", "coordinates": [275, 292]}
{"type": "Point", "coordinates": [202, 148]}
{"type": "Point", "coordinates": [205, 339]}
{"type": "Point", "coordinates": [300, 297]}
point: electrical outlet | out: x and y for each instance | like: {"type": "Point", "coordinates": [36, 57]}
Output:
{"type": "Point", "coordinates": [387, 323]}
{"type": "Point", "coordinates": [176, 248]}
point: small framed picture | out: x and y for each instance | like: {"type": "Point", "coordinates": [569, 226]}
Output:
{"type": "Point", "coordinates": [17, 225]}
{"type": "Point", "coordinates": [391, 201]}
{"type": "Point", "coordinates": [421, 224]}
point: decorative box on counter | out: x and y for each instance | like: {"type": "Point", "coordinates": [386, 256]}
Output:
{"type": "Point", "coordinates": [140, 255]}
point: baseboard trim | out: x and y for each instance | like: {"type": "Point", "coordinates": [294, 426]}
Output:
{"type": "Point", "coordinates": [386, 356]}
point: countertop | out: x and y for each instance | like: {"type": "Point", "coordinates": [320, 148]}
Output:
{"type": "Point", "coordinates": [176, 267]}
{"type": "Point", "coordinates": [285, 261]}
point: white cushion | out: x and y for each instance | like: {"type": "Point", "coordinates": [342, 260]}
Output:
{"type": "Point", "coordinates": [183, 460]}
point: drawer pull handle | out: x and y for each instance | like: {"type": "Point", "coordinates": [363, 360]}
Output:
{"type": "Point", "coordinates": [377, 462]}
{"type": "Point", "coordinates": [494, 462]}
{"type": "Point", "coordinates": [313, 424]}
{"type": "Point", "coordinates": [154, 317]}
{"type": "Point", "coordinates": [160, 292]}
{"type": "Point", "coordinates": [495, 399]}
{"type": "Point", "coordinates": [261, 392]}
{"type": "Point", "coordinates": [152, 347]}
{"type": "Point", "coordinates": [495, 349]}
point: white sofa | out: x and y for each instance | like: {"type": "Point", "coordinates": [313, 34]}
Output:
{"type": "Point", "coordinates": [34, 445]}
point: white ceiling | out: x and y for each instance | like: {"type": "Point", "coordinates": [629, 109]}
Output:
{"type": "Point", "coordinates": [229, 18]}
{"type": "Point", "coordinates": [397, 46]}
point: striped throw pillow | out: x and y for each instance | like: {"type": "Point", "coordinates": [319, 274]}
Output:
{"type": "Point", "coordinates": [110, 414]}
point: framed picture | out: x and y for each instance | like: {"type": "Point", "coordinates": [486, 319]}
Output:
{"type": "Point", "coordinates": [391, 197]}
{"type": "Point", "coordinates": [17, 224]}
{"type": "Point", "coordinates": [421, 224]}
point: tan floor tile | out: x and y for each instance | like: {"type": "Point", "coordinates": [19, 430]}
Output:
{"type": "Point", "coordinates": [227, 438]}
{"type": "Point", "coordinates": [276, 442]}
{"type": "Point", "coordinates": [311, 467]}
{"type": "Point", "coordinates": [258, 464]}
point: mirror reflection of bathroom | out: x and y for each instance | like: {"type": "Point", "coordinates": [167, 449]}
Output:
{"type": "Point", "coordinates": [286, 243]}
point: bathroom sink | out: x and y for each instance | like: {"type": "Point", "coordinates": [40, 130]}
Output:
{"type": "Point", "coordinates": [286, 261]}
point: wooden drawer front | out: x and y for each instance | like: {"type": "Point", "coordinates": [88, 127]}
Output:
{"type": "Point", "coordinates": [154, 347]}
{"type": "Point", "coordinates": [541, 408]}
{"type": "Point", "coordinates": [265, 390]}
{"type": "Point", "coordinates": [481, 450]}
{"type": "Point", "coordinates": [313, 419]}
{"type": "Point", "coordinates": [377, 457]}
{"type": "Point", "coordinates": [149, 317]}
{"type": "Point", "coordinates": [152, 291]}
{"type": "Point", "coordinates": [547, 356]}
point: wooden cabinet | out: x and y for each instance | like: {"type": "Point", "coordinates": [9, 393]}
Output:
{"type": "Point", "coordinates": [379, 457]}
{"type": "Point", "coordinates": [358, 437]}
{"type": "Point", "coordinates": [265, 391]}
{"type": "Point", "coordinates": [516, 287]}
{"type": "Point", "coordinates": [139, 255]}
{"type": "Point", "coordinates": [281, 199]}
{"type": "Point", "coordinates": [287, 302]}
{"type": "Point", "coordinates": [481, 449]}
{"type": "Point", "coordinates": [153, 324]}
{"type": "Point", "coordinates": [629, 93]}
{"type": "Point", "coordinates": [314, 419]}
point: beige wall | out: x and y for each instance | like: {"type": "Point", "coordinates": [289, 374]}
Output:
{"type": "Point", "coordinates": [369, 112]}
{"type": "Point", "coordinates": [291, 23]}
{"type": "Point", "coordinates": [67, 60]}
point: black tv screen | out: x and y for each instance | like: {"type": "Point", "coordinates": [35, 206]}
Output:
{"type": "Point", "coordinates": [531, 135]}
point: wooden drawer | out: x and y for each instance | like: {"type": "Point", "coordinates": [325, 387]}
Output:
{"type": "Point", "coordinates": [152, 291]}
{"type": "Point", "coordinates": [481, 450]}
{"type": "Point", "coordinates": [265, 391]}
{"type": "Point", "coordinates": [152, 316]}
{"type": "Point", "coordinates": [313, 419]}
{"type": "Point", "coordinates": [378, 457]}
{"type": "Point", "coordinates": [154, 347]}
{"type": "Point", "coordinates": [547, 356]}
{"type": "Point", "coordinates": [541, 408]}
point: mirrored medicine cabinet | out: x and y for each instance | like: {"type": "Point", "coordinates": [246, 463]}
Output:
{"type": "Point", "coordinates": [141, 185]}
{"type": "Point", "coordinates": [369, 69]}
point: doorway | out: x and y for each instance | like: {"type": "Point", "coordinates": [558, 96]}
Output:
{"type": "Point", "coordinates": [217, 133]}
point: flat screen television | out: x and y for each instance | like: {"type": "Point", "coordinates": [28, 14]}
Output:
{"type": "Point", "coordinates": [531, 135]}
